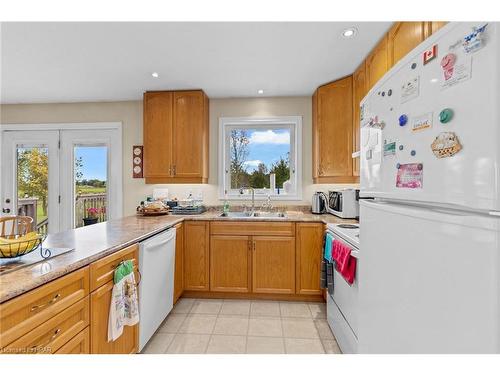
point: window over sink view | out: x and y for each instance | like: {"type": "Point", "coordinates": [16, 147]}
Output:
{"type": "Point", "coordinates": [263, 154]}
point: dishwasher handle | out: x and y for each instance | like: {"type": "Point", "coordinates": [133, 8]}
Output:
{"type": "Point", "coordinates": [159, 239]}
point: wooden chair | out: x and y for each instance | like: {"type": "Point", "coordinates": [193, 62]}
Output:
{"type": "Point", "coordinates": [19, 226]}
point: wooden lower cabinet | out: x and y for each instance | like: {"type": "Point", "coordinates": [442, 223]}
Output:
{"type": "Point", "coordinates": [48, 337]}
{"type": "Point", "coordinates": [127, 343]}
{"type": "Point", "coordinates": [309, 253]}
{"type": "Point", "coordinates": [196, 255]}
{"type": "Point", "coordinates": [80, 344]}
{"type": "Point", "coordinates": [273, 262]}
{"type": "Point", "coordinates": [179, 262]}
{"type": "Point", "coordinates": [230, 264]}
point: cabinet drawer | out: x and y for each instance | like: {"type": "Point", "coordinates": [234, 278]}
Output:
{"type": "Point", "coordinates": [80, 344]}
{"type": "Point", "coordinates": [54, 333]}
{"type": "Point", "coordinates": [28, 311]}
{"type": "Point", "coordinates": [102, 270]}
{"type": "Point", "coordinates": [248, 228]}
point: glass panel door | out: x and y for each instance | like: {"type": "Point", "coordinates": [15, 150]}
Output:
{"type": "Point", "coordinates": [90, 177]}
{"type": "Point", "coordinates": [90, 184]}
{"type": "Point", "coordinates": [30, 178]}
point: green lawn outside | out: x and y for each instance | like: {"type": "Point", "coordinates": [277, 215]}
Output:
{"type": "Point", "coordinates": [90, 190]}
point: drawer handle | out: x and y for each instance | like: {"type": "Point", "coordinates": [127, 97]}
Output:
{"type": "Point", "coordinates": [114, 266]}
{"type": "Point", "coordinates": [52, 338]}
{"type": "Point", "coordinates": [37, 307]}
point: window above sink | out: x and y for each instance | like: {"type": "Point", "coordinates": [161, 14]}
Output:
{"type": "Point", "coordinates": [262, 153]}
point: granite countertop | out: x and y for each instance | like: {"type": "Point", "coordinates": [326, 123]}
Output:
{"type": "Point", "coordinates": [99, 240]}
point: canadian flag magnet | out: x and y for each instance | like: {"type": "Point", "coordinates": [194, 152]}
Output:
{"type": "Point", "coordinates": [430, 54]}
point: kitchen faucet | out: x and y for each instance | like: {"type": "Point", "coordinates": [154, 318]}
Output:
{"type": "Point", "coordinates": [253, 196]}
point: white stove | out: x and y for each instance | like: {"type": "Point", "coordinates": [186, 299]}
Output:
{"type": "Point", "coordinates": [342, 304]}
{"type": "Point", "coordinates": [347, 232]}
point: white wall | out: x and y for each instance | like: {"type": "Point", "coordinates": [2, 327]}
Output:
{"type": "Point", "coordinates": [130, 114]}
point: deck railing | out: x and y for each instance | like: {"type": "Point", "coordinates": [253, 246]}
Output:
{"type": "Point", "coordinates": [85, 201]}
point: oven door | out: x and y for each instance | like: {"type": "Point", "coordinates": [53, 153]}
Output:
{"type": "Point", "coordinates": [344, 295]}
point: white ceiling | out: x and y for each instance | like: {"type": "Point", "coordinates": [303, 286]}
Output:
{"type": "Point", "coordinates": [74, 62]}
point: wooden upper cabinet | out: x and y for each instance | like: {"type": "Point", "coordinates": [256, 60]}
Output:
{"type": "Point", "coordinates": [230, 259]}
{"type": "Point", "coordinates": [359, 90]}
{"type": "Point", "coordinates": [158, 114]}
{"type": "Point", "coordinates": [403, 37]}
{"type": "Point", "coordinates": [315, 148]}
{"type": "Point", "coordinates": [434, 26]}
{"type": "Point", "coordinates": [190, 135]}
{"type": "Point", "coordinates": [377, 63]}
{"type": "Point", "coordinates": [196, 255]}
{"type": "Point", "coordinates": [176, 137]}
{"type": "Point", "coordinates": [332, 132]}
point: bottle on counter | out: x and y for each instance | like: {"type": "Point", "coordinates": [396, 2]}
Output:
{"type": "Point", "coordinates": [225, 208]}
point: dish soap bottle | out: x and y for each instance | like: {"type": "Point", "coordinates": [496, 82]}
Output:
{"type": "Point", "coordinates": [225, 208]}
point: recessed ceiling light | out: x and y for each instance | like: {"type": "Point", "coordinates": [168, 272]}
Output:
{"type": "Point", "coordinates": [260, 92]}
{"type": "Point", "coordinates": [155, 75]}
{"type": "Point", "coordinates": [349, 33]}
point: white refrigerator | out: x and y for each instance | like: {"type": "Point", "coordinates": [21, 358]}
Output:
{"type": "Point", "coordinates": [429, 279]}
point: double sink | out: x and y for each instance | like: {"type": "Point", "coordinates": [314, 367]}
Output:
{"type": "Point", "coordinates": [254, 214]}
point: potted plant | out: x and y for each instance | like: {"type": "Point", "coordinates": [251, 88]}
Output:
{"type": "Point", "coordinates": [91, 218]}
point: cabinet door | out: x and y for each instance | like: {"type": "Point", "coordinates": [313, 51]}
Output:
{"type": "Point", "coordinates": [190, 135]}
{"type": "Point", "coordinates": [127, 343]}
{"type": "Point", "coordinates": [179, 262]}
{"type": "Point", "coordinates": [358, 93]}
{"type": "Point", "coordinates": [230, 259]}
{"type": "Point", "coordinates": [435, 26]}
{"type": "Point", "coordinates": [196, 255]}
{"type": "Point", "coordinates": [333, 132]}
{"type": "Point", "coordinates": [377, 63]}
{"type": "Point", "coordinates": [403, 37]}
{"type": "Point", "coordinates": [273, 265]}
{"type": "Point", "coordinates": [315, 148]}
{"type": "Point", "coordinates": [309, 252]}
{"type": "Point", "coordinates": [157, 132]}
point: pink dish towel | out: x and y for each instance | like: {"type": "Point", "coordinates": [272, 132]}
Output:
{"type": "Point", "coordinates": [344, 262]}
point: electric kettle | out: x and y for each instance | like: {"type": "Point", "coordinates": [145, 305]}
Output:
{"type": "Point", "coordinates": [319, 203]}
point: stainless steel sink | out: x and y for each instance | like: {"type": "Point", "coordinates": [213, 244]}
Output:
{"type": "Point", "coordinates": [256, 214]}
{"type": "Point", "coordinates": [269, 214]}
{"type": "Point", "coordinates": [236, 214]}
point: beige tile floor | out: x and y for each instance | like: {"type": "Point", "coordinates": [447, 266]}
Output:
{"type": "Point", "coordinates": [198, 326]}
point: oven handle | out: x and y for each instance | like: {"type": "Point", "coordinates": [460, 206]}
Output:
{"type": "Point", "coordinates": [354, 252]}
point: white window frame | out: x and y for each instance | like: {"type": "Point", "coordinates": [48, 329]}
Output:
{"type": "Point", "coordinates": [294, 123]}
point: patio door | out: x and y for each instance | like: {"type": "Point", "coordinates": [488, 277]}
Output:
{"type": "Point", "coordinates": [30, 177]}
{"type": "Point", "coordinates": [90, 176]}
{"type": "Point", "coordinates": [61, 177]}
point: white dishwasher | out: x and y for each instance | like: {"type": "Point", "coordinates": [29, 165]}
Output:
{"type": "Point", "coordinates": [156, 288]}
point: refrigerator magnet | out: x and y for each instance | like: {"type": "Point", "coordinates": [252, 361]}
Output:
{"type": "Point", "coordinates": [410, 176]}
{"type": "Point", "coordinates": [455, 69]}
{"type": "Point", "coordinates": [446, 145]}
{"type": "Point", "coordinates": [430, 54]}
{"type": "Point", "coordinates": [475, 40]}
{"type": "Point", "coordinates": [421, 122]}
{"type": "Point", "coordinates": [389, 148]}
{"type": "Point", "coordinates": [410, 89]}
